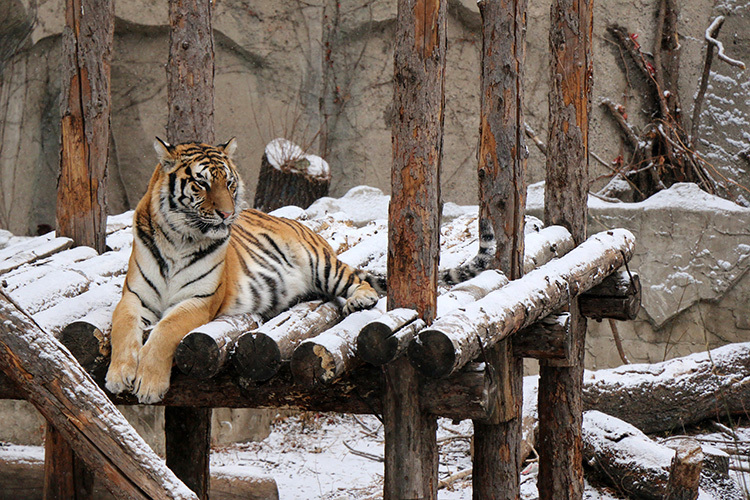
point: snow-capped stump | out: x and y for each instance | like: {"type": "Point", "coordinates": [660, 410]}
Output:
{"type": "Point", "coordinates": [288, 176]}
{"type": "Point", "coordinates": [258, 354]}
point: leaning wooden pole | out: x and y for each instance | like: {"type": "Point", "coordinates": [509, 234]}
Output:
{"type": "Point", "coordinates": [190, 96]}
{"type": "Point", "coordinates": [413, 237]}
{"type": "Point", "coordinates": [566, 193]}
{"type": "Point", "coordinates": [502, 196]}
{"type": "Point", "coordinates": [85, 106]}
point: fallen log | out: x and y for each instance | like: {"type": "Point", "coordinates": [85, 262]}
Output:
{"type": "Point", "coordinates": [22, 477]}
{"type": "Point", "coordinates": [324, 358]}
{"type": "Point", "coordinates": [57, 386]}
{"type": "Point", "coordinates": [204, 352]}
{"type": "Point", "coordinates": [625, 457]}
{"type": "Point", "coordinates": [675, 393]}
{"type": "Point", "coordinates": [455, 339]}
{"type": "Point", "coordinates": [258, 354]}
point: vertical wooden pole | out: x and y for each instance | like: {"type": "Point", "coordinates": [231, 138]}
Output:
{"type": "Point", "coordinates": [413, 238]}
{"type": "Point", "coordinates": [66, 477]}
{"type": "Point", "coordinates": [190, 95]}
{"type": "Point", "coordinates": [81, 188]}
{"type": "Point", "coordinates": [85, 105]}
{"type": "Point", "coordinates": [566, 193]}
{"type": "Point", "coordinates": [502, 195]}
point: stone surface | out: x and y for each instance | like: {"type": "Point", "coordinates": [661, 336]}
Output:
{"type": "Point", "coordinates": [271, 80]}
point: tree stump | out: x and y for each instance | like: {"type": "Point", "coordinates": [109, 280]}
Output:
{"type": "Point", "coordinates": [288, 176]}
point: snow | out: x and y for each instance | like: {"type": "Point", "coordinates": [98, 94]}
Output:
{"type": "Point", "coordinates": [280, 151]}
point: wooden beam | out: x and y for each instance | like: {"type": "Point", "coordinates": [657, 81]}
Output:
{"type": "Point", "coordinates": [190, 98]}
{"type": "Point", "coordinates": [57, 386]}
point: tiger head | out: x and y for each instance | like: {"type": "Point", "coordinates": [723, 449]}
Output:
{"type": "Point", "coordinates": [200, 190]}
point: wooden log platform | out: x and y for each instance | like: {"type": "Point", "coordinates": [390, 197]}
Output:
{"type": "Point", "coordinates": [454, 340]}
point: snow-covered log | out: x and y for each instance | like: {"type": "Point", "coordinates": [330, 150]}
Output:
{"type": "Point", "coordinates": [56, 385]}
{"type": "Point", "coordinates": [457, 338]}
{"type": "Point", "coordinates": [32, 250]}
{"type": "Point", "coordinates": [675, 393]}
{"type": "Point", "coordinates": [324, 358]}
{"type": "Point", "coordinates": [204, 352]}
{"type": "Point", "coordinates": [258, 354]}
{"type": "Point", "coordinates": [617, 297]}
{"type": "Point", "coordinates": [544, 245]}
{"type": "Point", "coordinates": [381, 340]}
{"type": "Point", "coordinates": [634, 463]}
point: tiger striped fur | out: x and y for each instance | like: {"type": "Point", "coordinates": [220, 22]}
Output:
{"type": "Point", "coordinates": [196, 255]}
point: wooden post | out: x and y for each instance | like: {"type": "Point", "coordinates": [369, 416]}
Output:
{"type": "Point", "coordinates": [85, 105]}
{"type": "Point", "coordinates": [566, 193]}
{"type": "Point", "coordinates": [502, 198]}
{"type": "Point", "coordinates": [190, 96]}
{"type": "Point", "coordinates": [413, 238]}
{"type": "Point", "coordinates": [82, 187]}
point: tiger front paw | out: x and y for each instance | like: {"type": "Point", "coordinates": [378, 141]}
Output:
{"type": "Point", "coordinates": [152, 376]}
{"type": "Point", "coordinates": [362, 298]}
{"type": "Point", "coordinates": [121, 373]}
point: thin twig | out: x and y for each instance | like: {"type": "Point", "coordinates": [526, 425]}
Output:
{"type": "Point", "coordinates": [535, 138]}
{"type": "Point", "coordinates": [630, 134]}
{"type": "Point", "coordinates": [720, 54]}
{"type": "Point", "coordinates": [618, 342]}
{"type": "Point", "coordinates": [364, 454]}
{"type": "Point", "coordinates": [444, 483]}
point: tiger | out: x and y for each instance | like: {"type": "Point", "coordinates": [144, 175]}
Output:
{"type": "Point", "coordinates": [198, 253]}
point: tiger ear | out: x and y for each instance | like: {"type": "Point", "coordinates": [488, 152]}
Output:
{"type": "Point", "coordinates": [229, 147]}
{"type": "Point", "coordinates": [165, 152]}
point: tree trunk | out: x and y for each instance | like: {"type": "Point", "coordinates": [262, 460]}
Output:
{"type": "Point", "coordinates": [413, 236]}
{"type": "Point", "coordinates": [190, 97]}
{"type": "Point", "coordinates": [88, 421]}
{"type": "Point", "coordinates": [565, 203]}
{"type": "Point", "coordinates": [82, 185]}
{"type": "Point", "coordinates": [502, 196]}
{"type": "Point", "coordinates": [290, 177]}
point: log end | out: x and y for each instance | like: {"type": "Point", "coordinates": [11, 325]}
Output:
{"type": "Point", "coordinates": [87, 343]}
{"type": "Point", "coordinates": [256, 356]}
{"type": "Point", "coordinates": [376, 344]}
{"type": "Point", "coordinates": [433, 353]}
{"type": "Point", "coordinates": [312, 364]}
{"type": "Point", "coordinates": [198, 356]}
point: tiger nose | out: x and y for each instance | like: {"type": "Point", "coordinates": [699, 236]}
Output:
{"type": "Point", "coordinates": [224, 215]}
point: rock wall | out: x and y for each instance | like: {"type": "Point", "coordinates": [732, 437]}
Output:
{"type": "Point", "coordinates": [319, 72]}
